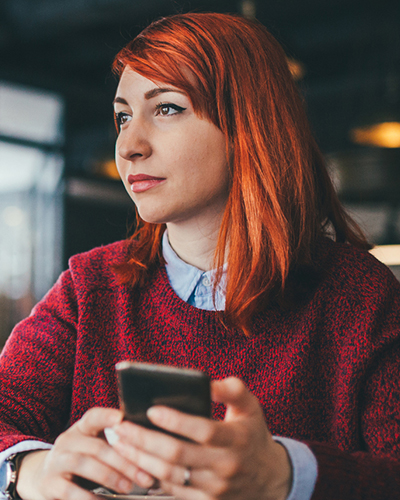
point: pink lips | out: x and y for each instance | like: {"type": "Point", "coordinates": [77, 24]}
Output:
{"type": "Point", "coordinates": [142, 182]}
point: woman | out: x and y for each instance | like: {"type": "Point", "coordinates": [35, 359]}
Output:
{"type": "Point", "coordinates": [299, 333]}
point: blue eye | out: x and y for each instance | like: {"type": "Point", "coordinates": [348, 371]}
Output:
{"type": "Point", "coordinates": [168, 109]}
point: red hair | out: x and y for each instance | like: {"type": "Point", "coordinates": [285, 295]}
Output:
{"type": "Point", "coordinates": [281, 197]}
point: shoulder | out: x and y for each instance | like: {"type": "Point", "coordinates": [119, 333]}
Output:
{"type": "Point", "coordinates": [360, 294]}
{"type": "Point", "coordinates": [94, 269]}
{"type": "Point", "coordinates": [350, 267]}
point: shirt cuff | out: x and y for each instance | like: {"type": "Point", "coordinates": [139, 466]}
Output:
{"type": "Point", "coordinates": [27, 445]}
{"type": "Point", "coordinates": [304, 468]}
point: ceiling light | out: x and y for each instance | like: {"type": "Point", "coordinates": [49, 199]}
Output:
{"type": "Point", "coordinates": [296, 68]}
{"type": "Point", "coordinates": [248, 8]}
{"type": "Point", "coordinates": [379, 125]}
{"type": "Point", "coordinates": [385, 134]}
{"type": "Point", "coordinates": [107, 168]}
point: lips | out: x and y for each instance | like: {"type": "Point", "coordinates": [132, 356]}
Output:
{"type": "Point", "coordinates": [143, 177]}
{"type": "Point", "coordinates": [142, 182]}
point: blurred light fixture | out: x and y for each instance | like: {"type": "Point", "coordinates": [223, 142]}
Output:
{"type": "Point", "coordinates": [382, 133]}
{"type": "Point", "coordinates": [248, 8]}
{"type": "Point", "coordinates": [388, 254]}
{"type": "Point", "coordinates": [107, 168]}
{"type": "Point", "coordinates": [379, 126]}
{"type": "Point", "coordinates": [296, 68]}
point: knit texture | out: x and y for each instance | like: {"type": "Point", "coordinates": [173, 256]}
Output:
{"type": "Point", "coordinates": [326, 372]}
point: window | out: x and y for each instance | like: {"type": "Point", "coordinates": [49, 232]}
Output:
{"type": "Point", "coordinates": [31, 167]}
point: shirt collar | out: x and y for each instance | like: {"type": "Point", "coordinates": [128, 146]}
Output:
{"type": "Point", "coordinates": [184, 277]}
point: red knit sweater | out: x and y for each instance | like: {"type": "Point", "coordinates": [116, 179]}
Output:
{"type": "Point", "coordinates": [326, 372]}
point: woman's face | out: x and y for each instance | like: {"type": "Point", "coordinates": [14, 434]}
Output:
{"type": "Point", "coordinates": [172, 162]}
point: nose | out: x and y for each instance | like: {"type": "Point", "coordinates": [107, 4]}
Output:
{"type": "Point", "coordinates": [133, 141]}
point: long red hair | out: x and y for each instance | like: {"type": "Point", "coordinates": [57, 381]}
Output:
{"type": "Point", "coordinates": [281, 197]}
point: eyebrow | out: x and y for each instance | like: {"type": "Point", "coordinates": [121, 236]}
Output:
{"type": "Point", "coordinates": [160, 90]}
{"type": "Point", "coordinates": [120, 100]}
{"type": "Point", "coordinates": [150, 94]}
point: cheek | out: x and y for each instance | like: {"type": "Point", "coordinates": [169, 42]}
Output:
{"type": "Point", "coordinates": [120, 162]}
{"type": "Point", "coordinates": [116, 155]}
{"type": "Point", "coordinates": [122, 166]}
{"type": "Point", "coordinates": [206, 152]}
{"type": "Point", "coordinates": [214, 163]}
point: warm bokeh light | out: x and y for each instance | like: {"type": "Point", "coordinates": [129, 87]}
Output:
{"type": "Point", "coordinates": [388, 254]}
{"type": "Point", "coordinates": [108, 169]}
{"type": "Point", "coordinates": [384, 135]}
{"type": "Point", "coordinates": [296, 68]}
{"type": "Point", "coordinates": [248, 8]}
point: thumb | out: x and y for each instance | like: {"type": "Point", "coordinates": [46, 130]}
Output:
{"type": "Point", "coordinates": [240, 402]}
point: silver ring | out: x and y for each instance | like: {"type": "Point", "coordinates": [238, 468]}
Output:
{"type": "Point", "coordinates": [187, 477]}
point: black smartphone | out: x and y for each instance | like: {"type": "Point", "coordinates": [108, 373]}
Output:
{"type": "Point", "coordinates": [142, 385]}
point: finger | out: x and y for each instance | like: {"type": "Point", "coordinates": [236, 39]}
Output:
{"type": "Point", "coordinates": [98, 449]}
{"type": "Point", "coordinates": [197, 429]}
{"type": "Point", "coordinates": [64, 489]}
{"type": "Point", "coordinates": [234, 394]}
{"type": "Point", "coordinates": [155, 443]}
{"type": "Point", "coordinates": [170, 474]}
{"type": "Point", "coordinates": [199, 479]}
{"type": "Point", "coordinates": [184, 492]}
{"type": "Point", "coordinates": [151, 464]}
{"type": "Point", "coordinates": [167, 448]}
{"type": "Point", "coordinates": [95, 420]}
{"type": "Point", "coordinates": [90, 468]}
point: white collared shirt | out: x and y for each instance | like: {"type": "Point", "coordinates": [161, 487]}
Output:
{"type": "Point", "coordinates": [190, 283]}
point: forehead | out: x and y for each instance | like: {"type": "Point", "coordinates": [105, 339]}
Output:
{"type": "Point", "coordinates": [130, 77]}
{"type": "Point", "coordinates": [133, 82]}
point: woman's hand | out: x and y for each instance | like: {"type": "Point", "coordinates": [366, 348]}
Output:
{"type": "Point", "coordinates": [235, 459]}
{"type": "Point", "coordinates": [80, 457]}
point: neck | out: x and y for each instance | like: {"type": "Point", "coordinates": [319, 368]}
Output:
{"type": "Point", "coordinates": [194, 244]}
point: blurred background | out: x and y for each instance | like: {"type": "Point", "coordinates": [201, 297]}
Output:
{"type": "Point", "coordinates": [59, 192]}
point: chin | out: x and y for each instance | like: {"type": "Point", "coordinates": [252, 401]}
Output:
{"type": "Point", "coordinates": [152, 216]}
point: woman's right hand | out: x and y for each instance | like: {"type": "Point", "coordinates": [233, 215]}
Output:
{"type": "Point", "coordinates": [79, 452]}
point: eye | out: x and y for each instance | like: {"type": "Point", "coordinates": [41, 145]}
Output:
{"type": "Point", "coordinates": [168, 109]}
{"type": "Point", "coordinates": [120, 119]}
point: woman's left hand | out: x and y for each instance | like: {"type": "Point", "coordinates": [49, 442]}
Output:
{"type": "Point", "coordinates": [235, 459]}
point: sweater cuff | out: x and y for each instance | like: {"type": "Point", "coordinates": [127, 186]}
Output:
{"type": "Point", "coordinates": [304, 468]}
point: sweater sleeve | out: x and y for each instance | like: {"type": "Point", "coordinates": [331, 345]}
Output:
{"type": "Point", "coordinates": [36, 369]}
{"type": "Point", "coordinates": [354, 476]}
{"type": "Point", "coordinates": [374, 472]}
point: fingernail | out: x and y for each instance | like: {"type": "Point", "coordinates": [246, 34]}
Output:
{"type": "Point", "coordinates": [111, 436]}
{"type": "Point", "coordinates": [144, 479]}
{"type": "Point", "coordinates": [154, 413]}
{"type": "Point", "coordinates": [125, 485]}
